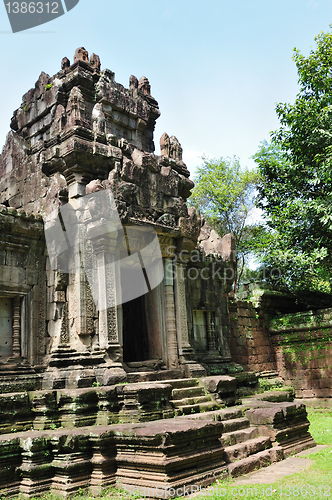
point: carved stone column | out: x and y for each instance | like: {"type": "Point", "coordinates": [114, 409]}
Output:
{"type": "Point", "coordinates": [192, 367]}
{"type": "Point", "coordinates": [172, 345]}
{"type": "Point", "coordinates": [77, 298]}
{"type": "Point", "coordinates": [185, 350]}
{"type": "Point", "coordinates": [108, 327]}
{"type": "Point", "coordinates": [105, 289]}
{"type": "Point", "coordinates": [16, 327]}
{"type": "Point", "coordinates": [211, 337]}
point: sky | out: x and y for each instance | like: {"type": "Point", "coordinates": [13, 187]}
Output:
{"type": "Point", "coordinates": [217, 68]}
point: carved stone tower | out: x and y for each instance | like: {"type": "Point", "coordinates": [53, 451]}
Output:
{"type": "Point", "coordinates": [75, 134]}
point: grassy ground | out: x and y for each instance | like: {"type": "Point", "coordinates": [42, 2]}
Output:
{"type": "Point", "coordinates": [313, 483]}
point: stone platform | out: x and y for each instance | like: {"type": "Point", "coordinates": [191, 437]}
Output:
{"type": "Point", "coordinates": [148, 437]}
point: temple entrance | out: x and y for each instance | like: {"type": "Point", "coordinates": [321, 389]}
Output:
{"type": "Point", "coordinates": [6, 328]}
{"type": "Point", "coordinates": [141, 329]}
{"type": "Point", "coordinates": [135, 336]}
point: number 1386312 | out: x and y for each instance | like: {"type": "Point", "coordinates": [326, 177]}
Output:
{"type": "Point", "coordinates": [32, 7]}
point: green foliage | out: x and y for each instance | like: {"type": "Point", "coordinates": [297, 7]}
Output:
{"type": "Point", "coordinates": [266, 384]}
{"type": "Point", "coordinates": [225, 194]}
{"type": "Point", "coordinates": [295, 187]}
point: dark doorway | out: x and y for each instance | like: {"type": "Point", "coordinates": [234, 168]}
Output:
{"type": "Point", "coordinates": [135, 335]}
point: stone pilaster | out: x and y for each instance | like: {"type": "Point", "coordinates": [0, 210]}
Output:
{"type": "Point", "coordinates": [211, 337]}
{"type": "Point", "coordinates": [16, 327]}
{"type": "Point", "coordinates": [186, 352]}
{"type": "Point", "coordinates": [105, 288]}
{"type": "Point", "coordinates": [35, 470]}
{"type": "Point", "coordinates": [185, 349]}
{"type": "Point", "coordinates": [108, 326]}
{"type": "Point", "coordinates": [77, 291]}
{"type": "Point", "coordinates": [172, 344]}
{"type": "Point", "coordinates": [103, 461]}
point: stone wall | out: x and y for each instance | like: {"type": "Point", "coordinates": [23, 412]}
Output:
{"type": "Point", "coordinates": [208, 322]}
{"type": "Point", "coordinates": [22, 286]}
{"type": "Point", "coordinates": [267, 337]}
{"type": "Point", "coordinates": [303, 347]}
{"type": "Point", "coordinates": [250, 343]}
{"type": "Point", "coordinates": [250, 311]}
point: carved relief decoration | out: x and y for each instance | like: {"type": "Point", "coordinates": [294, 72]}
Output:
{"type": "Point", "coordinates": [167, 245]}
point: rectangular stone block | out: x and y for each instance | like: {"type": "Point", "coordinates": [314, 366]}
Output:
{"type": "Point", "coordinates": [103, 459]}
{"type": "Point", "coordinates": [31, 277]}
{"type": "Point", "coordinates": [71, 463]}
{"type": "Point", "coordinates": [148, 401]}
{"type": "Point", "coordinates": [191, 454]}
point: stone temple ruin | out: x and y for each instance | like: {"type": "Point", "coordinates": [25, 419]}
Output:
{"type": "Point", "coordinates": [100, 382]}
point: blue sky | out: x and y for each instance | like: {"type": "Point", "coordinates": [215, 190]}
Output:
{"type": "Point", "coordinates": [217, 67]}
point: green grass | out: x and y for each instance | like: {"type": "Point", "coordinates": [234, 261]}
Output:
{"type": "Point", "coordinates": [321, 425]}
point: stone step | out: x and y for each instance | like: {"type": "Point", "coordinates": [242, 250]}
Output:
{"type": "Point", "coordinates": [164, 376]}
{"type": "Point", "coordinates": [182, 382]}
{"type": "Point", "coordinates": [223, 414]}
{"type": "Point", "coordinates": [203, 407]}
{"type": "Point", "coordinates": [231, 413]}
{"type": "Point", "coordinates": [268, 374]}
{"type": "Point", "coordinates": [191, 401]}
{"type": "Point", "coordinates": [148, 364]}
{"type": "Point", "coordinates": [235, 424]}
{"type": "Point", "coordinates": [257, 461]}
{"type": "Point", "coordinates": [187, 392]}
{"type": "Point", "coordinates": [241, 436]}
{"type": "Point", "coordinates": [243, 450]}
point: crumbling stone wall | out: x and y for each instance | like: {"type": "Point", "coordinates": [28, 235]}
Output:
{"type": "Point", "coordinates": [303, 347]}
{"type": "Point", "coordinates": [267, 337]}
{"type": "Point", "coordinates": [250, 343]}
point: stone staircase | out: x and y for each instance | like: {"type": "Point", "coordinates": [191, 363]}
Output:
{"type": "Point", "coordinates": [244, 448]}
{"type": "Point", "coordinates": [188, 397]}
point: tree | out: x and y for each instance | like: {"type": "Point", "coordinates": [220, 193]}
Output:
{"type": "Point", "coordinates": [225, 194]}
{"type": "Point", "coordinates": [296, 174]}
